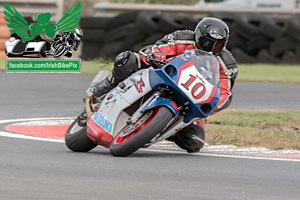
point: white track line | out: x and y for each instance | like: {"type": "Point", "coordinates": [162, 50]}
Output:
{"type": "Point", "coordinates": [28, 137]}
{"type": "Point", "coordinates": [34, 119]}
{"type": "Point", "coordinates": [20, 136]}
{"type": "Point", "coordinates": [221, 155]}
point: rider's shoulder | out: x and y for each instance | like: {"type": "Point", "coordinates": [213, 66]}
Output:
{"type": "Point", "coordinates": [227, 55]}
{"type": "Point", "coordinates": [228, 58]}
{"type": "Point", "coordinates": [184, 35]}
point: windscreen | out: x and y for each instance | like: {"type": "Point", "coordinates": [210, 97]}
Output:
{"type": "Point", "coordinates": [207, 65]}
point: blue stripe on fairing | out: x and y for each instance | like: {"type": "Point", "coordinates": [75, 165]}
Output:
{"type": "Point", "coordinates": [157, 101]}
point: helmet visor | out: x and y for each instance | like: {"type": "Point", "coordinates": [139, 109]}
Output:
{"type": "Point", "coordinates": [211, 45]}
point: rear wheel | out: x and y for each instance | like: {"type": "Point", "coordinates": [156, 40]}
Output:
{"type": "Point", "coordinates": [134, 136]}
{"type": "Point", "coordinates": [76, 138]}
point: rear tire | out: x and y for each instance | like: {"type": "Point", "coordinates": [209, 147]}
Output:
{"type": "Point", "coordinates": [77, 140]}
{"type": "Point", "coordinates": [155, 123]}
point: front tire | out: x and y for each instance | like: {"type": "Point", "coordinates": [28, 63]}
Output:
{"type": "Point", "coordinates": [146, 128]}
{"type": "Point", "coordinates": [60, 51]}
{"type": "Point", "coordinates": [77, 140]}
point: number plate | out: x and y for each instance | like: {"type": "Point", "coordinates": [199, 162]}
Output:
{"type": "Point", "coordinates": [194, 85]}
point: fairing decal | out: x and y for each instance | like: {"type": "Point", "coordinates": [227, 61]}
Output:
{"type": "Point", "coordinates": [194, 86]}
{"type": "Point", "coordinates": [157, 101]}
{"type": "Point", "coordinates": [98, 135]}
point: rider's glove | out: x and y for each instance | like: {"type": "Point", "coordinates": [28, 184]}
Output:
{"type": "Point", "coordinates": [156, 59]}
{"type": "Point", "coordinates": [88, 99]}
{"type": "Point", "coordinates": [88, 95]}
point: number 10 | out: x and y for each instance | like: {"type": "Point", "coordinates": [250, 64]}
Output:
{"type": "Point", "coordinates": [195, 94]}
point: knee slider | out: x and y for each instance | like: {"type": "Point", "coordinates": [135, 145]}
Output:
{"type": "Point", "coordinates": [187, 138]}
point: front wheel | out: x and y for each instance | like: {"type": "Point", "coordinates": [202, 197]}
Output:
{"type": "Point", "coordinates": [134, 136]}
{"type": "Point", "coordinates": [60, 51]}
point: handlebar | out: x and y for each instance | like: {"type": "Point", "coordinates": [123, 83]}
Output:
{"type": "Point", "coordinates": [153, 59]}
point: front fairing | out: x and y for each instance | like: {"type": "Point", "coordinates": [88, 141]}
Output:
{"type": "Point", "coordinates": [193, 78]}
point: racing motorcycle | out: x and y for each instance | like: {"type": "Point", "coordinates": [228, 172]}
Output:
{"type": "Point", "coordinates": [15, 47]}
{"type": "Point", "coordinates": [60, 48]}
{"type": "Point", "coordinates": [149, 106]}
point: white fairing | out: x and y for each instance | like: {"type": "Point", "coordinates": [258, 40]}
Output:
{"type": "Point", "coordinates": [199, 90]}
{"type": "Point", "coordinates": [111, 108]}
{"type": "Point", "coordinates": [37, 46]}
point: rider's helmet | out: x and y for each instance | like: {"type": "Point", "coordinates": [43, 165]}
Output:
{"type": "Point", "coordinates": [211, 35]}
{"type": "Point", "coordinates": [78, 33]}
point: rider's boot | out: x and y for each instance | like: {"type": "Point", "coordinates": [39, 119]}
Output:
{"type": "Point", "coordinates": [100, 88]}
{"type": "Point", "coordinates": [125, 64]}
{"type": "Point", "coordinates": [190, 138]}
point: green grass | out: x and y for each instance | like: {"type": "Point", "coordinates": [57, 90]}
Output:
{"type": "Point", "coordinates": [94, 66]}
{"type": "Point", "coordinates": [2, 64]}
{"type": "Point", "coordinates": [254, 118]}
{"type": "Point", "coordinates": [274, 129]}
{"type": "Point", "coordinates": [269, 73]}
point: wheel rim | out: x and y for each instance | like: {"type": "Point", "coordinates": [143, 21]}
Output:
{"type": "Point", "coordinates": [130, 130]}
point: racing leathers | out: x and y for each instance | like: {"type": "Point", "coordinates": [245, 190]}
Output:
{"type": "Point", "coordinates": [191, 137]}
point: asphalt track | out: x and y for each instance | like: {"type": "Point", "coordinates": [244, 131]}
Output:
{"type": "Point", "coordinates": [45, 170]}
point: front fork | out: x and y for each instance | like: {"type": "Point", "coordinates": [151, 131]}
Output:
{"type": "Point", "coordinates": [84, 116]}
{"type": "Point", "coordinates": [156, 100]}
{"type": "Point", "coordinates": [139, 112]}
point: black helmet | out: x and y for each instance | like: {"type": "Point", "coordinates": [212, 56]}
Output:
{"type": "Point", "coordinates": [211, 34]}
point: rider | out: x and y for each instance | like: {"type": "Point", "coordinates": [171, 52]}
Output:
{"type": "Point", "coordinates": [64, 38]}
{"type": "Point", "coordinates": [211, 35]}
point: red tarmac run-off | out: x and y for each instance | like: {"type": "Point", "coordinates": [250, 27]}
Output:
{"type": "Point", "coordinates": [40, 131]}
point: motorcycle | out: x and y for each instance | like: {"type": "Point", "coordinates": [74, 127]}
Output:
{"type": "Point", "coordinates": [60, 48]}
{"type": "Point", "coordinates": [15, 47]}
{"type": "Point", "coordinates": [149, 106]}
